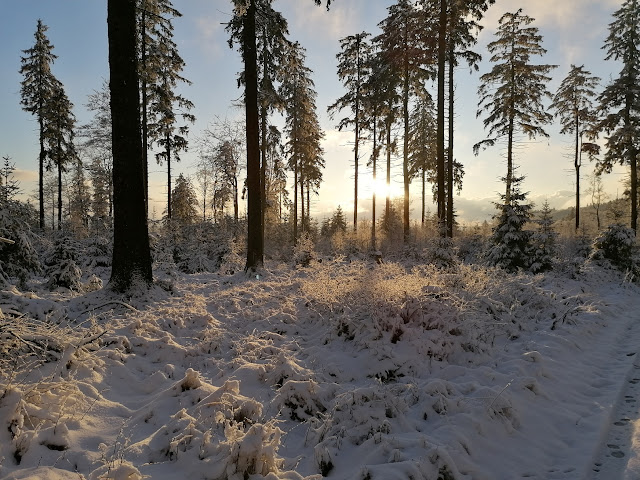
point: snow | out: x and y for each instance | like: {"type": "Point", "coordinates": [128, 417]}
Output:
{"type": "Point", "coordinates": [345, 368]}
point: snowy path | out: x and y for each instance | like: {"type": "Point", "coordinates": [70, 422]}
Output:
{"type": "Point", "coordinates": [619, 455]}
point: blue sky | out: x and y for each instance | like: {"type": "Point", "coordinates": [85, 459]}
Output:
{"type": "Point", "coordinates": [573, 31]}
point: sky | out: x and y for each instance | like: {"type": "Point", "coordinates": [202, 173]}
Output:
{"type": "Point", "coordinates": [573, 33]}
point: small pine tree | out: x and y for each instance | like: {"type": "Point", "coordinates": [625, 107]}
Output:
{"type": "Point", "coordinates": [338, 221]}
{"type": "Point", "coordinates": [511, 243]}
{"type": "Point", "coordinates": [185, 202]}
{"type": "Point", "coordinates": [543, 242]}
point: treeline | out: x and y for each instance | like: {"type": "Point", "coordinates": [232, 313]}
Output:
{"type": "Point", "coordinates": [388, 80]}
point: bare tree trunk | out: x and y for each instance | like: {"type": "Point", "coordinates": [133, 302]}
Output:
{"type": "Point", "coordinates": [145, 120]}
{"type": "Point", "coordinates": [255, 241]}
{"type": "Point", "coordinates": [450, 157]}
{"type": "Point", "coordinates": [131, 266]}
{"type": "Point", "coordinates": [577, 164]}
{"type": "Point", "coordinates": [169, 210]}
{"type": "Point", "coordinates": [440, 153]}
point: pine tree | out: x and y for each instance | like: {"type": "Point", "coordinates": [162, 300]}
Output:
{"type": "Point", "coordinates": [222, 149]}
{"type": "Point", "coordinates": [96, 144]}
{"type": "Point", "coordinates": [462, 24]}
{"type": "Point", "coordinates": [511, 243]}
{"type": "Point", "coordinates": [620, 100]}
{"type": "Point", "coordinates": [406, 41]}
{"type": "Point", "coordinates": [513, 91]}
{"type": "Point", "coordinates": [302, 129]}
{"type": "Point", "coordinates": [573, 104]}
{"type": "Point", "coordinates": [36, 89]}
{"type": "Point", "coordinates": [543, 241]}
{"type": "Point", "coordinates": [271, 46]}
{"type": "Point", "coordinates": [381, 111]}
{"type": "Point", "coordinates": [9, 186]}
{"type": "Point", "coordinates": [422, 148]}
{"type": "Point", "coordinates": [131, 266]}
{"type": "Point", "coordinates": [160, 66]}
{"type": "Point", "coordinates": [79, 200]}
{"type": "Point", "coordinates": [185, 202]}
{"type": "Point", "coordinates": [59, 135]}
{"type": "Point", "coordinates": [353, 70]}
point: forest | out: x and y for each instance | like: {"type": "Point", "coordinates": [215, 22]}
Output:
{"type": "Point", "coordinates": [239, 337]}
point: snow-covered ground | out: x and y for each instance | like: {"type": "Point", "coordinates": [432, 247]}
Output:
{"type": "Point", "coordinates": [345, 369]}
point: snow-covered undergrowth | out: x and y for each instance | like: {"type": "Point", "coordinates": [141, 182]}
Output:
{"type": "Point", "coordinates": [350, 370]}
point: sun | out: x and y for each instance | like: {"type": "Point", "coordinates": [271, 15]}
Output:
{"type": "Point", "coordinates": [380, 188]}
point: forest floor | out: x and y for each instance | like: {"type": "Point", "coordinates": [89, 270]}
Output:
{"type": "Point", "coordinates": [345, 369]}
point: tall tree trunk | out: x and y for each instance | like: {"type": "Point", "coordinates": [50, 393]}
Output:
{"type": "Point", "coordinates": [375, 165]}
{"type": "Point", "coordinates": [424, 195]}
{"type": "Point", "coordinates": [355, 160]}
{"type": "Point", "coordinates": [263, 167]}
{"type": "Point", "coordinates": [577, 164]}
{"type": "Point", "coordinates": [387, 206]}
{"type": "Point", "coordinates": [634, 189]}
{"type": "Point", "coordinates": [303, 223]}
{"type": "Point", "coordinates": [440, 152]}
{"type": "Point", "coordinates": [308, 206]}
{"type": "Point", "coordinates": [42, 158]}
{"type": "Point", "coordinates": [509, 178]}
{"type": "Point", "coordinates": [131, 266]}
{"type": "Point", "coordinates": [255, 242]}
{"type": "Point", "coordinates": [405, 152]}
{"type": "Point", "coordinates": [450, 158]}
{"type": "Point", "coordinates": [59, 162]}
{"type": "Point", "coordinates": [169, 208]}
{"type": "Point", "coordinates": [145, 120]}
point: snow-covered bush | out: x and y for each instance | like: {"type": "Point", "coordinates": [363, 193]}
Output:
{"type": "Point", "coordinates": [543, 242]}
{"type": "Point", "coordinates": [61, 266]}
{"type": "Point", "coordinates": [441, 252]}
{"type": "Point", "coordinates": [18, 259]}
{"type": "Point", "coordinates": [617, 243]}
{"type": "Point", "coordinates": [511, 249]}
{"type": "Point", "coordinates": [304, 250]}
{"type": "Point", "coordinates": [191, 248]}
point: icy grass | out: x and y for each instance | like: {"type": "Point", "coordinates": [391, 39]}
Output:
{"type": "Point", "coordinates": [348, 369]}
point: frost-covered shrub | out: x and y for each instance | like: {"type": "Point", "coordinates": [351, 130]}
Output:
{"type": "Point", "coordinates": [616, 244]}
{"type": "Point", "coordinates": [191, 248]}
{"type": "Point", "coordinates": [511, 249]}
{"type": "Point", "coordinates": [18, 259]}
{"type": "Point", "coordinates": [543, 242]}
{"type": "Point", "coordinates": [470, 247]}
{"type": "Point", "coordinates": [61, 266]}
{"type": "Point", "coordinates": [441, 252]}
{"type": "Point", "coordinates": [304, 250]}
{"type": "Point", "coordinates": [98, 253]}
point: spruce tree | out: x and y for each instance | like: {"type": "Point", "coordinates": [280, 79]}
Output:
{"type": "Point", "coordinates": [36, 89]}
{"type": "Point", "coordinates": [461, 30]}
{"type": "Point", "coordinates": [543, 241]}
{"type": "Point", "coordinates": [96, 144]}
{"type": "Point", "coordinates": [353, 70]}
{"type": "Point", "coordinates": [512, 93]}
{"type": "Point", "coordinates": [161, 67]}
{"type": "Point", "coordinates": [455, 21]}
{"type": "Point", "coordinates": [131, 265]}
{"type": "Point", "coordinates": [271, 46]}
{"type": "Point", "coordinates": [185, 202]}
{"type": "Point", "coordinates": [79, 200]}
{"type": "Point", "coordinates": [59, 134]}
{"type": "Point", "coordinates": [511, 243]}
{"type": "Point", "coordinates": [406, 41]}
{"type": "Point", "coordinates": [620, 100]}
{"type": "Point", "coordinates": [422, 148]}
{"type": "Point", "coordinates": [382, 111]}
{"type": "Point", "coordinates": [573, 104]}
{"type": "Point", "coordinates": [302, 129]}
